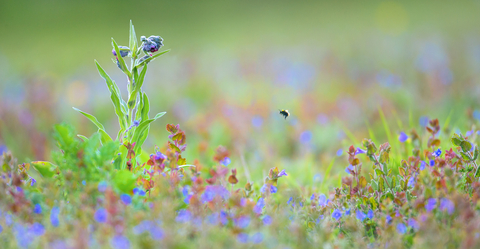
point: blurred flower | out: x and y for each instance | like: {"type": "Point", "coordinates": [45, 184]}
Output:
{"type": "Point", "coordinates": [370, 214]}
{"type": "Point", "coordinates": [413, 223]}
{"type": "Point", "coordinates": [437, 153]}
{"type": "Point", "coordinates": [183, 216]}
{"type": "Point", "coordinates": [84, 183]}
{"type": "Point", "coordinates": [242, 222]}
{"type": "Point", "coordinates": [339, 152]}
{"type": "Point", "coordinates": [282, 173]}
{"type": "Point", "coordinates": [156, 233]}
{"type": "Point", "coordinates": [259, 206]}
{"type": "Point", "coordinates": [402, 137]}
{"type": "Point", "coordinates": [126, 199]}
{"type": "Point", "coordinates": [120, 242]}
{"type": "Point", "coordinates": [8, 219]}
{"type": "Point", "coordinates": [446, 204]}
{"type": "Point", "coordinates": [431, 203]}
{"type": "Point", "coordinates": [336, 214]}
{"type": "Point", "coordinates": [144, 226]}
{"type": "Point", "coordinates": [54, 216]}
{"type": "Point", "coordinates": [322, 200]}
{"type": "Point", "coordinates": [33, 181]}
{"type": "Point", "coordinates": [349, 169]}
{"type": "Point", "coordinates": [360, 215]}
{"type": "Point", "coordinates": [424, 121]}
{"type": "Point", "coordinates": [257, 238]}
{"type": "Point", "coordinates": [1, 229]}
{"type": "Point", "coordinates": [226, 161]}
{"type": "Point", "coordinates": [469, 133]}
{"type": "Point", "coordinates": [432, 163]}
{"type": "Point", "coordinates": [137, 191]}
{"type": "Point", "coordinates": [305, 137]}
{"type": "Point", "coordinates": [312, 197]}
{"type": "Point", "coordinates": [347, 212]}
{"type": "Point", "coordinates": [290, 200]}
{"type": "Point", "coordinates": [267, 220]}
{"type": "Point", "coordinates": [101, 215]}
{"type": "Point", "coordinates": [422, 165]}
{"type": "Point", "coordinates": [401, 228]}
{"type": "Point", "coordinates": [411, 181]}
{"type": "Point", "coordinates": [272, 188]}
{"type": "Point", "coordinates": [359, 151]}
{"type": "Point", "coordinates": [211, 191]}
{"type": "Point", "coordinates": [476, 115]}
{"type": "Point", "coordinates": [242, 238]}
{"type": "Point", "coordinates": [257, 121]}
{"type": "Point", "coordinates": [136, 123]}
{"type": "Point", "coordinates": [37, 209]}
{"type": "Point", "coordinates": [388, 219]}
{"type": "Point", "coordinates": [102, 186]}
{"type": "Point", "coordinates": [37, 229]}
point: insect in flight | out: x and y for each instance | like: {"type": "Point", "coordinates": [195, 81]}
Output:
{"type": "Point", "coordinates": [284, 113]}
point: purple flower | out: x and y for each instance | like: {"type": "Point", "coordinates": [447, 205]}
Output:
{"type": "Point", "coordinates": [267, 220]}
{"type": "Point", "coordinates": [322, 200]}
{"type": "Point", "coordinates": [102, 186]}
{"type": "Point", "coordinates": [242, 222]}
{"type": "Point", "coordinates": [137, 191]}
{"type": "Point", "coordinates": [101, 215]}
{"type": "Point", "coordinates": [422, 165]}
{"type": "Point", "coordinates": [336, 214]}
{"type": "Point", "coordinates": [312, 197]}
{"type": "Point", "coordinates": [37, 209]}
{"type": "Point", "coordinates": [347, 212]}
{"type": "Point", "coordinates": [469, 133]}
{"type": "Point", "coordinates": [349, 169]}
{"type": "Point", "coordinates": [126, 199]}
{"type": "Point", "coordinates": [271, 188]}
{"type": "Point", "coordinates": [211, 191]}
{"type": "Point", "coordinates": [359, 151]}
{"type": "Point", "coordinates": [183, 216]}
{"type": "Point", "coordinates": [33, 181]}
{"type": "Point", "coordinates": [446, 204]}
{"type": "Point", "coordinates": [257, 238]}
{"type": "Point", "coordinates": [413, 223]}
{"type": "Point", "coordinates": [160, 156]}
{"type": "Point", "coordinates": [305, 137]}
{"type": "Point", "coordinates": [360, 215]}
{"type": "Point", "coordinates": [424, 121]}
{"type": "Point", "coordinates": [339, 152]}
{"type": "Point", "coordinates": [156, 233]}
{"type": "Point", "coordinates": [401, 228]}
{"type": "Point", "coordinates": [144, 226]}
{"type": "Point", "coordinates": [226, 161]}
{"type": "Point", "coordinates": [437, 153]}
{"type": "Point", "coordinates": [259, 206]}
{"type": "Point", "coordinates": [411, 181]}
{"type": "Point", "coordinates": [54, 216]}
{"type": "Point", "coordinates": [290, 200]}
{"type": "Point", "coordinates": [431, 203]}
{"type": "Point", "coordinates": [402, 137]}
{"type": "Point", "coordinates": [136, 123]}
{"type": "Point", "coordinates": [37, 229]}
{"type": "Point", "coordinates": [432, 163]}
{"type": "Point", "coordinates": [151, 44]}
{"type": "Point", "coordinates": [282, 173]}
{"type": "Point", "coordinates": [242, 238]}
{"type": "Point", "coordinates": [120, 242]}
{"type": "Point", "coordinates": [388, 219]}
{"type": "Point", "coordinates": [370, 214]}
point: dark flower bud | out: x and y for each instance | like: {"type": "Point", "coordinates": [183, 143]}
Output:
{"type": "Point", "coordinates": [143, 59]}
{"type": "Point", "coordinates": [123, 51]}
{"type": "Point", "coordinates": [151, 44]}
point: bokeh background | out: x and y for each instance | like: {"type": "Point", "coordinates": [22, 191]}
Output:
{"type": "Point", "coordinates": [338, 66]}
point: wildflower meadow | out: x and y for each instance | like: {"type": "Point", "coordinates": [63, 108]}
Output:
{"type": "Point", "coordinates": [372, 160]}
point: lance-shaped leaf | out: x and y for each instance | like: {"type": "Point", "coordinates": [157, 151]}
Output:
{"type": "Point", "coordinates": [137, 87]}
{"type": "Point", "coordinates": [121, 61]}
{"type": "Point", "coordinates": [46, 169]}
{"type": "Point", "coordinates": [132, 42]}
{"type": "Point", "coordinates": [142, 61]}
{"type": "Point", "coordinates": [104, 136]}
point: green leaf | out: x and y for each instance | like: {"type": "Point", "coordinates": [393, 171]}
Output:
{"type": "Point", "coordinates": [146, 108]}
{"type": "Point", "coordinates": [132, 43]}
{"type": "Point", "coordinates": [379, 172]}
{"type": "Point", "coordinates": [124, 181]}
{"type": "Point", "coordinates": [476, 153]}
{"type": "Point", "coordinates": [465, 156]}
{"type": "Point", "coordinates": [466, 146]}
{"type": "Point", "coordinates": [456, 140]}
{"type": "Point", "coordinates": [159, 115]}
{"type": "Point", "coordinates": [142, 127]}
{"type": "Point", "coordinates": [137, 87]}
{"type": "Point", "coordinates": [151, 58]}
{"type": "Point", "coordinates": [104, 136]}
{"type": "Point", "coordinates": [46, 169]}
{"type": "Point", "coordinates": [123, 66]}
{"type": "Point", "coordinates": [119, 104]}
{"type": "Point", "coordinates": [91, 117]}
{"type": "Point", "coordinates": [84, 138]}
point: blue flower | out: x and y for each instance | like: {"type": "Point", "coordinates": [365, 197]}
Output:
{"type": "Point", "coordinates": [226, 161]}
{"type": "Point", "coordinates": [305, 137]}
{"type": "Point", "coordinates": [402, 137]}
{"type": "Point", "coordinates": [120, 242]}
{"type": "Point", "coordinates": [370, 214]}
{"type": "Point", "coordinates": [183, 216]}
{"type": "Point", "coordinates": [431, 203]}
{"type": "Point", "coordinates": [349, 169]}
{"type": "Point", "coordinates": [422, 165]}
{"type": "Point", "coordinates": [401, 228]}
{"type": "Point", "coordinates": [1, 229]}
{"type": "Point", "coordinates": [33, 181]}
{"type": "Point", "coordinates": [159, 156]}
{"type": "Point", "coordinates": [267, 220]}
{"type": "Point", "coordinates": [123, 51]}
{"type": "Point", "coordinates": [37, 209]}
{"type": "Point", "coordinates": [424, 121]}
{"type": "Point", "coordinates": [157, 233]}
{"type": "Point", "coordinates": [37, 229]}
{"type": "Point", "coordinates": [411, 181]}
{"type": "Point", "coordinates": [8, 219]}
{"type": "Point", "coordinates": [413, 223]}
{"type": "Point", "coordinates": [432, 163]}
{"type": "Point", "coordinates": [137, 191]}
{"type": "Point", "coordinates": [359, 151]}
{"type": "Point", "coordinates": [242, 238]}
{"type": "Point", "coordinates": [257, 238]}
{"type": "Point", "coordinates": [290, 200]}
{"type": "Point", "coordinates": [144, 226]}
{"type": "Point", "coordinates": [312, 197]}
{"type": "Point", "coordinates": [136, 123]}
{"type": "Point", "coordinates": [273, 189]}
{"type": "Point", "coordinates": [282, 173]}
{"type": "Point", "coordinates": [476, 114]}
{"type": "Point", "coordinates": [339, 152]}
{"type": "Point", "coordinates": [84, 183]}
{"type": "Point", "coordinates": [259, 206]}
{"type": "Point", "coordinates": [101, 215]}
{"type": "Point", "coordinates": [388, 219]}
{"type": "Point", "coordinates": [360, 215]}
{"type": "Point", "coordinates": [437, 153]}
{"type": "Point", "coordinates": [336, 214]}
{"type": "Point", "coordinates": [242, 222]}
{"type": "Point", "coordinates": [446, 204]}
{"type": "Point", "coordinates": [126, 199]}
{"type": "Point", "coordinates": [151, 44]}
{"type": "Point", "coordinates": [347, 212]}
{"type": "Point", "coordinates": [54, 216]}
{"type": "Point", "coordinates": [322, 200]}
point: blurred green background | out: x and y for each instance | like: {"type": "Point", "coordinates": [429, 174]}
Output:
{"type": "Point", "coordinates": [233, 64]}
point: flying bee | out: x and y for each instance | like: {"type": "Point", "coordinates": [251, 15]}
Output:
{"type": "Point", "coordinates": [284, 113]}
